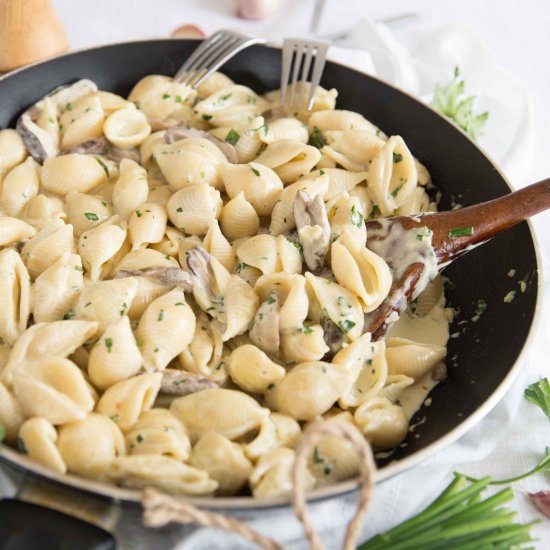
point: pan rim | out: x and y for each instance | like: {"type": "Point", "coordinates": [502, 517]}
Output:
{"type": "Point", "coordinates": [132, 496]}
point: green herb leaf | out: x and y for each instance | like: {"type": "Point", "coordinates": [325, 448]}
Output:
{"type": "Point", "coordinates": [397, 157]}
{"type": "Point", "coordinates": [346, 325]}
{"type": "Point", "coordinates": [451, 101]}
{"type": "Point", "coordinates": [69, 106]}
{"type": "Point", "coordinates": [161, 315]}
{"type": "Point", "coordinates": [256, 172]}
{"type": "Point", "coordinates": [539, 394]}
{"type": "Point", "coordinates": [2, 433]}
{"type": "Point", "coordinates": [356, 217]}
{"type": "Point", "coordinates": [206, 117]}
{"type": "Point", "coordinates": [178, 99]}
{"type": "Point", "coordinates": [103, 165]}
{"type": "Point", "coordinates": [232, 137]}
{"type": "Point", "coordinates": [92, 216]}
{"type": "Point", "coordinates": [481, 307]}
{"type": "Point", "coordinates": [78, 268]}
{"type": "Point", "coordinates": [317, 458]}
{"type": "Point", "coordinates": [179, 209]}
{"type": "Point", "coordinates": [165, 96]}
{"type": "Point", "coordinates": [138, 213]}
{"type": "Point", "coordinates": [272, 297]}
{"type": "Point", "coordinates": [109, 344]}
{"type": "Point", "coordinates": [461, 232]}
{"type": "Point", "coordinates": [307, 330]}
{"type": "Point", "coordinates": [316, 138]}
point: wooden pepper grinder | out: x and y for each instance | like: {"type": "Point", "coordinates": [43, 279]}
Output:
{"type": "Point", "coordinates": [29, 31]}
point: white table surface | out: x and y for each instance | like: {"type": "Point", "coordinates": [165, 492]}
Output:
{"type": "Point", "coordinates": [517, 33]}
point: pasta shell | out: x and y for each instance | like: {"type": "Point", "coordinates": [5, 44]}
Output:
{"type": "Point", "coordinates": [346, 215]}
{"type": "Point", "coordinates": [74, 172]}
{"type": "Point", "coordinates": [261, 185]}
{"type": "Point", "coordinates": [214, 83]}
{"type": "Point", "coordinates": [57, 339]}
{"type": "Point", "coordinates": [147, 225]}
{"type": "Point", "coordinates": [382, 423]}
{"type": "Point", "coordinates": [285, 129]}
{"type": "Point", "coordinates": [194, 208]}
{"type": "Point", "coordinates": [260, 252]}
{"type": "Point", "coordinates": [90, 445]}
{"type": "Point", "coordinates": [81, 121]}
{"type": "Point", "coordinates": [282, 217]}
{"type": "Point", "coordinates": [11, 415]}
{"type": "Point", "coordinates": [238, 218]}
{"type": "Point", "coordinates": [190, 161]}
{"type": "Point", "coordinates": [12, 149]}
{"type": "Point", "coordinates": [164, 473]}
{"type": "Point", "coordinates": [304, 344]}
{"type": "Point", "coordinates": [352, 149]}
{"type": "Point", "coordinates": [150, 145]}
{"type": "Point", "coordinates": [41, 210]}
{"type": "Point", "coordinates": [328, 299]}
{"type": "Point", "coordinates": [339, 181]}
{"type": "Point", "coordinates": [169, 244]}
{"type": "Point", "coordinates": [112, 102]}
{"type": "Point", "coordinates": [106, 301]}
{"type": "Point", "coordinates": [126, 128]}
{"type": "Point", "coordinates": [287, 430]}
{"type": "Point", "coordinates": [417, 203]}
{"type": "Point", "coordinates": [56, 289]}
{"type": "Point", "coordinates": [53, 388]}
{"type": "Point", "coordinates": [19, 187]}
{"type": "Point", "coordinates": [413, 359]}
{"type": "Point", "coordinates": [394, 387]}
{"type": "Point", "coordinates": [143, 259]}
{"type": "Point", "coordinates": [15, 296]}
{"type": "Point", "coordinates": [252, 370]}
{"type": "Point", "coordinates": [99, 244]}
{"type": "Point", "coordinates": [115, 356]}
{"type": "Point", "coordinates": [223, 460]}
{"type": "Point", "coordinates": [166, 329]}
{"type": "Point", "coordinates": [39, 439]}
{"type": "Point", "coordinates": [361, 271]}
{"type": "Point", "coordinates": [272, 475]}
{"type": "Point", "coordinates": [124, 401]}
{"type": "Point", "coordinates": [159, 432]}
{"type": "Point", "coordinates": [47, 246]}
{"type": "Point", "coordinates": [338, 119]}
{"type": "Point", "coordinates": [291, 295]}
{"type": "Point", "coordinates": [13, 230]}
{"type": "Point", "coordinates": [308, 390]}
{"type": "Point", "coordinates": [217, 245]}
{"type": "Point", "coordinates": [392, 176]}
{"type": "Point", "coordinates": [226, 412]}
{"type": "Point", "coordinates": [290, 258]}
{"type": "Point", "coordinates": [429, 297]}
{"type": "Point", "coordinates": [86, 211]}
{"type": "Point", "coordinates": [131, 188]}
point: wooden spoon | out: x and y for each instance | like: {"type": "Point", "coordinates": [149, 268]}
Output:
{"type": "Point", "coordinates": [454, 233]}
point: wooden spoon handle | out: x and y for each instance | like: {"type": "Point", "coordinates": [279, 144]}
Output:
{"type": "Point", "coordinates": [486, 219]}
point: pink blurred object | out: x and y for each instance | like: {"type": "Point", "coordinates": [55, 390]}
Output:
{"type": "Point", "coordinates": [188, 31]}
{"type": "Point", "coordinates": [258, 9]}
{"type": "Point", "coordinates": [542, 501]}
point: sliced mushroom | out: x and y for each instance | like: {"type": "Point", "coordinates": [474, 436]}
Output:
{"type": "Point", "coordinates": [313, 229]}
{"type": "Point", "coordinates": [265, 328]}
{"type": "Point", "coordinates": [38, 142]}
{"type": "Point", "coordinates": [118, 153]}
{"type": "Point", "coordinates": [333, 335]}
{"type": "Point", "coordinates": [175, 133]}
{"type": "Point", "coordinates": [198, 261]}
{"type": "Point", "coordinates": [169, 276]}
{"type": "Point", "coordinates": [96, 146]}
{"type": "Point", "coordinates": [180, 382]}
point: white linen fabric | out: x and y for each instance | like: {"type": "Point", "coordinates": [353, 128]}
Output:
{"type": "Point", "coordinates": [512, 437]}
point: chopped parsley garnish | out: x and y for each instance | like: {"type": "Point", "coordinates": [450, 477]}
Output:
{"type": "Point", "coordinates": [51, 120]}
{"type": "Point", "coordinates": [272, 298]}
{"type": "Point", "coordinates": [346, 325]}
{"type": "Point", "coordinates": [256, 172]}
{"type": "Point", "coordinates": [103, 165]}
{"type": "Point", "coordinates": [424, 233]}
{"type": "Point", "coordinates": [461, 232]}
{"type": "Point", "coordinates": [178, 99]}
{"type": "Point", "coordinates": [327, 469]}
{"type": "Point", "coordinates": [321, 172]}
{"type": "Point", "coordinates": [78, 268]}
{"type": "Point", "coordinates": [161, 315]}
{"type": "Point", "coordinates": [206, 117]}
{"type": "Point", "coordinates": [307, 330]}
{"type": "Point", "coordinates": [139, 342]}
{"type": "Point", "coordinates": [481, 307]}
{"type": "Point", "coordinates": [271, 386]}
{"type": "Point", "coordinates": [69, 315]}
{"type": "Point", "coordinates": [179, 209]}
{"type": "Point", "coordinates": [138, 213]}
{"type": "Point", "coordinates": [397, 157]}
{"type": "Point", "coordinates": [2, 433]}
{"type": "Point", "coordinates": [179, 304]}
{"type": "Point", "coordinates": [317, 458]}
{"type": "Point", "coordinates": [123, 308]}
{"type": "Point", "coordinates": [21, 446]}
{"type": "Point", "coordinates": [114, 418]}
{"type": "Point", "coordinates": [374, 211]}
{"type": "Point", "coordinates": [165, 96]}
{"type": "Point", "coordinates": [69, 106]}
{"type": "Point", "coordinates": [451, 101]}
{"type": "Point", "coordinates": [539, 394]}
{"type": "Point", "coordinates": [139, 438]}
{"type": "Point", "coordinates": [224, 97]}
{"type": "Point", "coordinates": [92, 216]}
{"type": "Point", "coordinates": [109, 344]}
{"type": "Point", "coordinates": [396, 190]}
{"type": "Point", "coordinates": [356, 217]}
{"type": "Point", "coordinates": [156, 350]}
{"type": "Point", "coordinates": [316, 138]}
{"type": "Point", "coordinates": [232, 137]}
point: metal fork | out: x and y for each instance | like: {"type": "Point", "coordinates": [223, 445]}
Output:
{"type": "Point", "coordinates": [212, 54]}
{"type": "Point", "coordinates": [297, 56]}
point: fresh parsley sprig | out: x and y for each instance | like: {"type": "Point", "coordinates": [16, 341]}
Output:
{"type": "Point", "coordinates": [539, 394]}
{"type": "Point", "coordinates": [451, 101]}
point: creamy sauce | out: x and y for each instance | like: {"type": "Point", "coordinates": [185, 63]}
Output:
{"type": "Point", "coordinates": [403, 247]}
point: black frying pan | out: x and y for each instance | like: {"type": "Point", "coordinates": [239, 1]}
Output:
{"type": "Point", "coordinates": [482, 361]}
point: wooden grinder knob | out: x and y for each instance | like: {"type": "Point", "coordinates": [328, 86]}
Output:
{"type": "Point", "coordinates": [29, 31]}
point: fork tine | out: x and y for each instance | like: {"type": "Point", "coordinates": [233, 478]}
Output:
{"type": "Point", "coordinates": [211, 48]}
{"type": "Point", "coordinates": [318, 66]}
{"type": "Point", "coordinates": [286, 64]}
{"type": "Point", "coordinates": [213, 54]}
{"type": "Point", "coordinates": [305, 73]}
{"type": "Point", "coordinates": [295, 70]}
{"type": "Point", "coordinates": [199, 50]}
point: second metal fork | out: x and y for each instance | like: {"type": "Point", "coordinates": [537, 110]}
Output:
{"type": "Point", "coordinates": [212, 54]}
{"type": "Point", "coordinates": [297, 57]}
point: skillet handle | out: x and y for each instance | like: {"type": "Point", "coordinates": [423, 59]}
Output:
{"type": "Point", "coordinates": [24, 525]}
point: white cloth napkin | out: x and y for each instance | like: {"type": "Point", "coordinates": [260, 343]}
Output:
{"type": "Point", "coordinates": [415, 65]}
